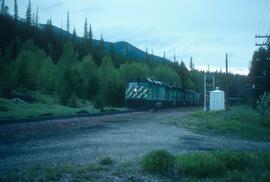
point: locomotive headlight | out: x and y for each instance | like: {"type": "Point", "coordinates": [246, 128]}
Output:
{"type": "Point", "coordinates": [135, 90]}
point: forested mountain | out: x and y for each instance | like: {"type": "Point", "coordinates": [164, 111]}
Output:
{"type": "Point", "coordinates": [46, 35]}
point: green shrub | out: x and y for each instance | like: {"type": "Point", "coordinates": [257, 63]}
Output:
{"type": "Point", "coordinates": [235, 160]}
{"type": "Point", "coordinates": [106, 161]}
{"type": "Point", "coordinates": [200, 165]}
{"type": "Point", "coordinates": [159, 162]}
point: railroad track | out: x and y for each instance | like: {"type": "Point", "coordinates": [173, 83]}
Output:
{"type": "Point", "coordinates": [44, 118]}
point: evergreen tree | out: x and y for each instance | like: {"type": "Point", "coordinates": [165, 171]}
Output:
{"type": "Point", "coordinates": [100, 51]}
{"type": "Point", "coordinates": [68, 22]}
{"type": "Point", "coordinates": [36, 22]}
{"type": "Point", "coordinates": [183, 73]}
{"type": "Point", "coordinates": [33, 19]}
{"type": "Point", "coordinates": [16, 16]}
{"type": "Point", "coordinates": [85, 29]}
{"type": "Point", "coordinates": [29, 13]}
{"type": "Point", "coordinates": [191, 64]}
{"type": "Point", "coordinates": [68, 87]}
{"type": "Point", "coordinates": [3, 7]}
{"type": "Point", "coordinates": [49, 23]}
{"type": "Point", "coordinates": [113, 56]}
{"type": "Point", "coordinates": [74, 38]}
{"type": "Point", "coordinates": [101, 48]}
{"type": "Point", "coordinates": [90, 37]}
{"type": "Point", "coordinates": [164, 57]}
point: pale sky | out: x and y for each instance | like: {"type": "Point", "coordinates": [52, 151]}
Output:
{"type": "Point", "coordinates": [202, 29]}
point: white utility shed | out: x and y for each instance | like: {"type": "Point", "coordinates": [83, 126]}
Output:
{"type": "Point", "coordinates": [217, 100]}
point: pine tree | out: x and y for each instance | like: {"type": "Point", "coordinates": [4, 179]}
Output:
{"type": "Point", "coordinates": [164, 57]}
{"type": "Point", "coordinates": [36, 22]}
{"type": "Point", "coordinates": [101, 46]}
{"type": "Point", "coordinates": [112, 53]}
{"type": "Point", "coordinates": [68, 22]}
{"type": "Point", "coordinates": [85, 29]}
{"type": "Point", "coordinates": [28, 13]}
{"type": "Point", "coordinates": [99, 51]}
{"type": "Point", "coordinates": [16, 16]}
{"type": "Point", "coordinates": [33, 19]}
{"type": "Point", "coordinates": [74, 38]}
{"type": "Point", "coordinates": [90, 37]}
{"type": "Point", "coordinates": [191, 64]}
{"type": "Point", "coordinates": [4, 8]}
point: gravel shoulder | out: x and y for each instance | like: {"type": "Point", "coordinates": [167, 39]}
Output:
{"type": "Point", "coordinates": [121, 137]}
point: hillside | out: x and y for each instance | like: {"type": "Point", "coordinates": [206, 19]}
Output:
{"type": "Point", "coordinates": [11, 29]}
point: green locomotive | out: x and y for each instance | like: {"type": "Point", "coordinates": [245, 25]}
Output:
{"type": "Point", "coordinates": [148, 93]}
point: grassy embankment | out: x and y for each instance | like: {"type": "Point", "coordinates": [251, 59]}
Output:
{"type": "Point", "coordinates": [44, 105]}
{"type": "Point", "coordinates": [158, 166]}
{"type": "Point", "coordinates": [239, 121]}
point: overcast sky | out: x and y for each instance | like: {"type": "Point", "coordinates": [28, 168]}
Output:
{"type": "Point", "coordinates": [203, 29]}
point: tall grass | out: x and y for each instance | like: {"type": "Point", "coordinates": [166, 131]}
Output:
{"type": "Point", "coordinates": [159, 162]}
{"type": "Point", "coordinates": [239, 121]}
{"type": "Point", "coordinates": [218, 165]}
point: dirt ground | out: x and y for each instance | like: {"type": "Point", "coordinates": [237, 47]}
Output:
{"type": "Point", "coordinates": [121, 137]}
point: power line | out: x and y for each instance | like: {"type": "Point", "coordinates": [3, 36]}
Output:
{"type": "Point", "coordinates": [265, 43]}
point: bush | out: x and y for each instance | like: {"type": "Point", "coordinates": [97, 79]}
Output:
{"type": "Point", "coordinates": [235, 160]}
{"type": "Point", "coordinates": [106, 161]}
{"type": "Point", "coordinates": [200, 165]}
{"type": "Point", "coordinates": [159, 162]}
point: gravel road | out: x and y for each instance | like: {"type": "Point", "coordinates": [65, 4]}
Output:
{"type": "Point", "coordinates": [122, 137]}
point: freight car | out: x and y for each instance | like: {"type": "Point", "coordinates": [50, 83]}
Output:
{"type": "Point", "coordinates": [146, 93]}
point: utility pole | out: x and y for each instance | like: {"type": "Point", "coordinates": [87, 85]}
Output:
{"type": "Point", "coordinates": [226, 82]}
{"type": "Point", "coordinates": [204, 88]}
{"type": "Point", "coordinates": [209, 84]}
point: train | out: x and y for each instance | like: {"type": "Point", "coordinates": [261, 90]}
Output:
{"type": "Point", "coordinates": [146, 93]}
